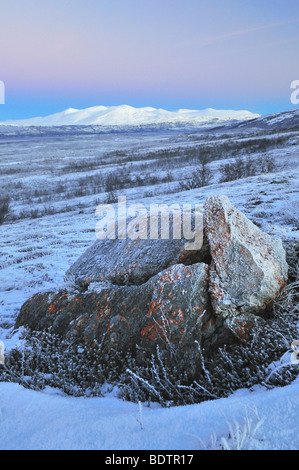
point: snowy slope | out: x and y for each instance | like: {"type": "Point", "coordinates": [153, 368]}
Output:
{"type": "Point", "coordinates": [128, 116]}
{"type": "Point", "coordinates": [50, 420]}
{"type": "Point", "coordinates": [275, 121]}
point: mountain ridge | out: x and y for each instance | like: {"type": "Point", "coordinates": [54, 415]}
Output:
{"type": "Point", "coordinates": [125, 115]}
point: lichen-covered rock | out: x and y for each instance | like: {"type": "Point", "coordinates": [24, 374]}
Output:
{"type": "Point", "coordinates": [140, 294]}
{"type": "Point", "coordinates": [248, 268]}
{"type": "Point", "coordinates": [134, 261]}
{"type": "Point", "coordinates": [171, 309]}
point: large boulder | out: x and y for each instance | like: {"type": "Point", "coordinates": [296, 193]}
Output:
{"type": "Point", "coordinates": [248, 268]}
{"type": "Point", "coordinates": [130, 261]}
{"type": "Point", "coordinates": [137, 294]}
{"type": "Point", "coordinates": [170, 309]}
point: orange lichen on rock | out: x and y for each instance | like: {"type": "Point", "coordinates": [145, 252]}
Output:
{"type": "Point", "coordinates": [53, 306]}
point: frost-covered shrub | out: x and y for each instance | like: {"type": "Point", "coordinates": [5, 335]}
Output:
{"type": "Point", "coordinates": [226, 370]}
{"type": "Point", "coordinates": [111, 197]}
{"type": "Point", "coordinates": [291, 213]}
{"type": "Point", "coordinates": [46, 359]}
{"type": "Point", "coordinates": [4, 208]}
{"type": "Point", "coordinates": [202, 176]}
{"type": "Point", "coordinates": [244, 167]}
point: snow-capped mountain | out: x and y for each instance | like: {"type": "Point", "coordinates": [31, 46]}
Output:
{"type": "Point", "coordinates": [125, 115]}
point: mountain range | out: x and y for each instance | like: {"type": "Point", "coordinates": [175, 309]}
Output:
{"type": "Point", "coordinates": [125, 115]}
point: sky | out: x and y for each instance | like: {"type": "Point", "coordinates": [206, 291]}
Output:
{"type": "Point", "coordinates": [171, 54]}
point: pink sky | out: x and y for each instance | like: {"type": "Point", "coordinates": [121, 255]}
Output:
{"type": "Point", "coordinates": [170, 53]}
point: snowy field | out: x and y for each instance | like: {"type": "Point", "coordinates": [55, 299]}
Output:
{"type": "Point", "coordinates": [55, 185]}
{"type": "Point", "coordinates": [258, 420]}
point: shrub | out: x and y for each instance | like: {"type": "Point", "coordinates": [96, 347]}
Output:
{"type": "Point", "coordinates": [199, 178]}
{"type": "Point", "coordinates": [244, 167]}
{"type": "Point", "coordinates": [290, 214]}
{"type": "Point", "coordinates": [4, 208]}
{"type": "Point", "coordinates": [111, 197]}
{"type": "Point", "coordinates": [44, 359]}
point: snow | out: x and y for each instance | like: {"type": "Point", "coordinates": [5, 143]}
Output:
{"type": "Point", "coordinates": [125, 115]}
{"type": "Point", "coordinates": [35, 254]}
{"type": "Point", "coordinates": [49, 420]}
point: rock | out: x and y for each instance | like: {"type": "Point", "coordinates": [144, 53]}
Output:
{"type": "Point", "coordinates": [248, 268]}
{"type": "Point", "coordinates": [140, 294]}
{"type": "Point", "coordinates": [132, 262]}
{"type": "Point", "coordinates": [170, 309]}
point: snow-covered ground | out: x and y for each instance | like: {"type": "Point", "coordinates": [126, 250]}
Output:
{"type": "Point", "coordinates": [35, 254]}
{"type": "Point", "coordinates": [50, 420]}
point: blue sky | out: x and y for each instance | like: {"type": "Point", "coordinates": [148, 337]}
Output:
{"type": "Point", "coordinates": [229, 54]}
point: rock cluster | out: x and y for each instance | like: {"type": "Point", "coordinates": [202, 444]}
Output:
{"type": "Point", "coordinates": [137, 294]}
